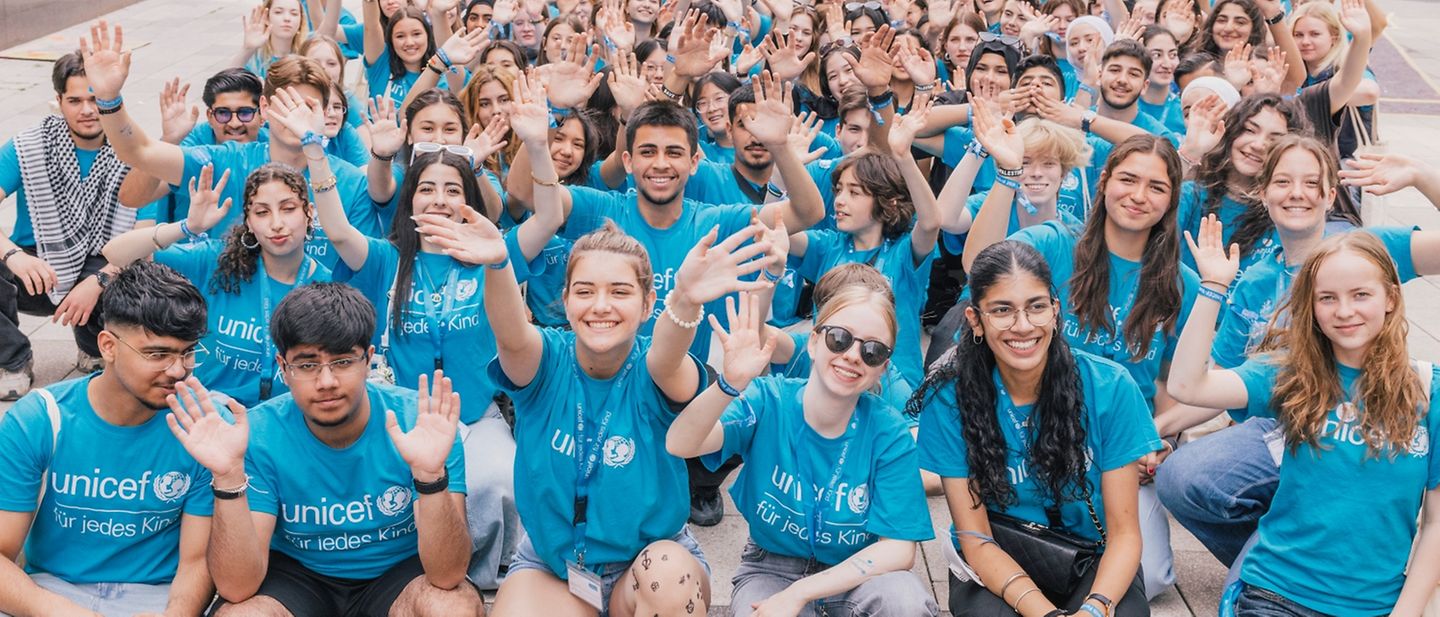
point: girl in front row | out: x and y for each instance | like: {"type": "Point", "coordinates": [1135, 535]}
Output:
{"type": "Point", "coordinates": [1357, 415]}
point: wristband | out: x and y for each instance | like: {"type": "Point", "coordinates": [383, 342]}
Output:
{"type": "Point", "coordinates": [670, 94]}
{"type": "Point", "coordinates": [185, 229]}
{"type": "Point", "coordinates": [1090, 608]}
{"type": "Point", "coordinates": [1087, 88]}
{"type": "Point", "coordinates": [977, 149]}
{"type": "Point", "coordinates": [313, 138]}
{"type": "Point", "coordinates": [435, 69]}
{"type": "Point", "coordinates": [1086, 120]}
{"type": "Point", "coordinates": [925, 88]}
{"type": "Point", "coordinates": [1276, 20]}
{"type": "Point", "coordinates": [555, 182]}
{"type": "Point", "coordinates": [1211, 294]}
{"type": "Point", "coordinates": [773, 278]}
{"type": "Point", "coordinates": [774, 190]}
{"type": "Point", "coordinates": [325, 187]}
{"type": "Point", "coordinates": [439, 485]}
{"type": "Point", "coordinates": [502, 264]}
{"type": "Point", "coordinates": [11, 253]}
{"type": "Point", "coordinates": [105, 111]}
{"type": "Point", "coordinates": [1007, 182]}
{"type": "Point", "coordinates": [444, 57]}
{"type": "Point", "coordinates": [670, 59]}
{"type": "Point", "coordinates": [1009, 173]}
{"type": "Point", "coordinates": [725, 386]}
{"type": "Point", "coordinates": [229, 493]}
{"type": "Point", "coordinates": [882, 101]}
{"type": "Point", "coordinates": [1215, 283]}
{"type": "Point", "coordinates": [609, 44]}
{"type": "Point", "coordinates": [109, 103]}
{"type": "Point", "coordinates": [377, 157]}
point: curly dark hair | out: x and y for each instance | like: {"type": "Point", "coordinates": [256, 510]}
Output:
{"type": "Point", "coordinates": [1215, 168]}
{"type": "Point", "coordinates": [880, 177]}
{"type": "Point", "coordinates": [1057, 457]}
{"type": "Point", "coordinates": [1204, 38]}
{"type": "Point", "coordinates": [237, 262]}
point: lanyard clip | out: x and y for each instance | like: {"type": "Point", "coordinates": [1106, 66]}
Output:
{"type": "Point", "coordinates": [581, 504]}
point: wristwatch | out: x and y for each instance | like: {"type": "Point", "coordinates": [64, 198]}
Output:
{"type": "Point", "coordinates": [103, 278]}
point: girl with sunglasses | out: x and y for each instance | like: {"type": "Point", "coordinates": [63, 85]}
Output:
{"type": "Point", "coordinates": [840, 534]}
{"type": "Point", "coordinates": [1356, 414]}
{"type": "Point", "coordinates": [1018, 423]}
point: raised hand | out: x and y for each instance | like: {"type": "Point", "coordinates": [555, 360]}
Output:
{"type": "Point", "coordinates": [875, 66]}
{"type": "Point", "coordinates": [485, 141]}
{"type": "Point", "coordinates": [107, 64]}
{"type": "Point", "coordinates": [1267, 74]}
{"type": "Point", "coordinates": [835, 24]}
{"type": "Point", "coordinates": [176, 121]}
{"type": "Point", "coordinates": [1204, 127]}
{"type": "Point", "coordinates": [296, 113]}
{"type": "Point", "coordinates": [1380, 174]}
{"type": "Point", "coordinates": [1237, 65]}
{"type": "Point", "coordinates": [256, 29]}
{"type": "Point", "coordinates": [1212, 262]}
{"type": "Point", "coordinates": [782, 59]}
{"type": "Point", "coordinates": [712, 272]}
{"type": "Point", "coordinates": [1355, 18]}
{"type": "Point", "coordinates": [473, 239]}
{"type": "Point", "coordinates": [572, 79]}
{"type": "Point", "coordinates": [941, 12]}
{"type": "Point", "coordinates": [803, 133]}
{"type": "Point", "coordinates": [1130, 29]}
{"type": "Point", "coordinates": [206, 210]}
{"type": "Point", "coordinates": [918, 64]}
{"type": "Point", "coordinates": [746, 356]}
{"type": "Point", "coordinates": [505, 11]}
{"type": "Point", "coordinates": [903, 130]}
{"type": "Point", "coordinates": [626, 84]}
{"type": "Point", "coordinates": [750, 55]}
{"type": "Point", "coordinates": [465, 46]}
{"type": "Point", "coordinates": [1036, 28]}
{"type": "Point", "coordinates": [616, 28]}
{"type": "Point", "coordinates": [999, 137]}
{"type": "Point", "coordinates": [387, 128]}
{"type": "Point", "coordinates": [428, 443]}
{"type": "Point", "coordinates": [732, 9]}
{"type": "Point", "coordinates": [770, 118]}
{"type": "Point", "coordinates": [217, 445]}
{"type": "Point", "coordinates": [694, 55]}
{"type": "Point", "coordinates": [529, 112]}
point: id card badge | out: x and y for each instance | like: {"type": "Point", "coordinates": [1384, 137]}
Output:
{"type": "Point", "coordinates": [585, 585]}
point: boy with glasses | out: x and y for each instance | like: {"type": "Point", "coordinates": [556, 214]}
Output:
{"type": "Point", "coordinates": [122, 515]}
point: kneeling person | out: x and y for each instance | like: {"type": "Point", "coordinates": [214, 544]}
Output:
{"type": "Point", "coordinates": [115, 531]}
{"type": "Point", "coordinates": [318, 515]}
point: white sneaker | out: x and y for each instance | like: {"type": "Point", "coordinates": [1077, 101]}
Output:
{"type": "Point", "coordinates": [14, 384]}
{"type": "Point", "coordinates": [86, 363]}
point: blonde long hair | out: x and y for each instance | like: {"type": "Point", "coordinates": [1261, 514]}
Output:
{"type": "Point", "coordinates": [1327, 15]}
{"type": "Point", "coordinates": [1308, 384]}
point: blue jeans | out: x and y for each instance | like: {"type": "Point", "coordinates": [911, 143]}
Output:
{"type": "Point", "coordinates": [1258, 602]}
{"type": "Point", "coordinates": [490, 511]}
{"type": "Point", "coordinates": [1218, 486]}
{"type": "Point", "coordinates": [109, 599]}
{"type": "Point", "coordinates": [763, 574]}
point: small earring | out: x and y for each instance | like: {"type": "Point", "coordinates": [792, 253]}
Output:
{"type": "Point", "coordinates": [309, 232]}
{"type": "Point", "coordinates": [976, 337]}
{"type": "Point", "coordinates": [247, 234]}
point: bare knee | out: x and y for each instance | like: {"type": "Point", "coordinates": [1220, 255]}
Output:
{"type": "Point", "coordinates": [421, 599]}
{"type": "Point", "coordinates": [666, 578]}
{"type": "Point", "coordinates": [256, 606]}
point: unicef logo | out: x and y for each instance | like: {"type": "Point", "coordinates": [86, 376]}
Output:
{"type": "Point", "coordinates": [171, 486]}
{"type": "Point", "coordinates": [859, 499]}
{"type": "Point", "coordinates": [393, 501]}
{"type": "Point", "coordinates": [619, 451]}
{"type": "Point", "coordinates": [464, 290]}
{"type": "Point", "coordinates": [1420, 445]}
{"type": "Point", "coordinates": [1070, 183]}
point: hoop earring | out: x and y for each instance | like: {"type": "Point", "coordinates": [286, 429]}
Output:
{"type": "Point", "coordinates": [976, 337]}
{"type": "Point", "coordinates": [309, 229]}
{"type": "Point", "coordinates": [248, 234]}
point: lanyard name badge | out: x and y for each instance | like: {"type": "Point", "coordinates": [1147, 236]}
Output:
{"type": "Point", "coordinates": [267, 357]}
{"type": "Point", "coordinates": [433, 300]}
{"type": "Point", "coordinates": [585, 584]}
{"type": "Point", "coordinates": [816, 514]}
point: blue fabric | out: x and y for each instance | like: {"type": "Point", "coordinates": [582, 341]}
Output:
{"type": "Point", "coordinates": [378, 77]}
{"type": "Point", "coordinates": [877, 494]}
{"type": "Point", "coordinates": [894, 390]}
{"type": "Point", "coordinates": [346, 512]}
{"type": "Point", "coordinates": [1350, 560]}
{"type": "Point", "coordinates": [115, 493]}
{"type": "Point", "coordinates": [467, 343]}
{"type": "Point", "coordinates": [714, 152]}
{"type": "Point", "coordinates": [544, 294]}
{"type": "Point", "coordinates": [1071, 78]}
{"type": "Point", "coordinates": [1057, 243]}
{"type": "Point", "coordinates": [347, 146]}
{"type": "Point", "coordinates": [1154, 126]}
{"type": "Point", "coordinates": [11, 184]}
{"type": "Point", "coordinates": [1169, 113]}
{"type": "Point", "coordinates": [636, 474]}
{"type": "Point", "coordinates": [1119, 432]}
{"type": "Point", "coordinates": [1192, 210]}
{"type": "Point", "coordinates": [238, 331]}
{"type": "Point", "coordinates": [715, 183]}
{"type": "Point", "coordinates": [909, 278]}
{"type": "Point", "coordinates": [204, 135]}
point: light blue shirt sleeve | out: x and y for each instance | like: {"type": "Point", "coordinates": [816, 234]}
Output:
{"type": "Point", "coordinates": [1258, 374]}
{"type": "Point", "coordinates": [941, 440]}
{"type": "Point", "coordinates": [24, 431]}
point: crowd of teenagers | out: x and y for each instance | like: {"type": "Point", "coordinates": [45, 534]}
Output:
{"type": "Point", "coordinates": [503, 309]}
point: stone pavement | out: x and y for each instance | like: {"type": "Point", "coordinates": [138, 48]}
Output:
{"type": "Point", "coordinates": [190, 40]}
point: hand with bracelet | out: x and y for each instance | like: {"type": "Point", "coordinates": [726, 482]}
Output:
{"type": "Point", "coordinates": [1216, 267]}
{"type": "Point", "coordinates": [301, 117]}
{"type": "Point", "coordinates": [998, 136]}
{"type": "Point", "coordinates": [712, 271]}
{"type": "Point", "coordinates": [387, 128]}
{"type": "Point", "coordinates": [218, 445]}
{"type": "Point", "coordinates": [426, 446]}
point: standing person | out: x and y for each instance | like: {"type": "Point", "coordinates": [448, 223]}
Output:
{"type": "Point", "coordinates": [66, 180]}
{"type": "Point", "coordinates": [315, 512]}
{"type": "Point", "coordinates": [1018, 423]}
{"type": "Point", "coordinates": [842, 548]}
{"type": "Point", "coordinates": [139, 547]}
{"type": "Point", "coordinates": [1356, 413]}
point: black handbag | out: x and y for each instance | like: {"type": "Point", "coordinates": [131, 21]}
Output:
{"type": "Point", "coordinates": [1055, 560]}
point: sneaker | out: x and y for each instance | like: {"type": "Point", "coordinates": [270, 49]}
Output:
{"type": "Point", "coordinates": [706, 507]}
{"type": "Point", "coordinates": [86, 363]}
{"type": "Point", "coordinates": [14, 384]}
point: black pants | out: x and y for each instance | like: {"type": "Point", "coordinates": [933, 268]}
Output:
{"type": "Point", "coordinates": [971, 598]}
{"type": "Point", "coordinates": [15, 350]}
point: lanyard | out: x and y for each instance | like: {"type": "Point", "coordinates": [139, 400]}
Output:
{"type": "Point", "coordinates": [816, 512]}
{"type": "Point", "coordinates": [587, 453]}
{"type": "Point", "coordinates": [877, 255]}
{"type": "Point", "coordinates": [432, 299]}
{"type": "Point", "coordinates": [1022, 427]}
{"type": "Point", "coordinates": [267, 357]}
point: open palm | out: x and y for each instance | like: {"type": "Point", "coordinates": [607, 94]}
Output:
{"type": "Point", "coordinates": [206, 211]}
{"type": "Point", "coordinates": [426, 446]}
{"type": "Point", "coordinates": [217, 445]}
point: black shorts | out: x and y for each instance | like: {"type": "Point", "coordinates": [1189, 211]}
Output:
{"type": "Point", "coordinates": [306, 593]}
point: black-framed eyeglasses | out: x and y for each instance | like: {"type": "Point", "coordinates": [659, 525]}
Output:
{"type": "Point", "coordinates": [223, 114]}
{"type": "Point", "coordinates": [162, 360]}
{"type": "Point", "coordinates": [311, 370]}
{"type": "Point", "coordinates": [1039, 313]}
{"type": "Point", "coordinates": [1004, 39]}
{"type": "Point", "coordinates": [839, 340]}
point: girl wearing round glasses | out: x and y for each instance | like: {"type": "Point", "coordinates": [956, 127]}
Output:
{"type": "Point", "coordinates": [243, 275]}
{"type": "Point", "coordinates": [839, 531]}
{"type": "Point", "coordinates": [1018, 423]}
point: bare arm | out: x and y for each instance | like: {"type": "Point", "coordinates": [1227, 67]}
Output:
{"type": "Point", "coordinates": [443, 538]}
{"type": "Point", "coordinates": [18, 594]}
{"type": "Point", "coordinates": [1424, 570]}
{"type": "Point", "coordinates": [374, 34]}
{"type": "Point", "coordinates": [352, 246]}
{"type": "Point", "coordinates": [1352, 68]}
{"type": "Point", "coordinates": [191, 590]}
{"type": "Point", "coordinates": [954, 216]}
{"type": "Point", "coordinates": [107, 65]}
{"type": "Point", "coordinates": [1192, 380]}
{"type": "Point", "coordinates": [982, 554]}
{"type": "Point", "coordinates": [1120, 490]}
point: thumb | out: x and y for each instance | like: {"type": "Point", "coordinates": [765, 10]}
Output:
{"type": "Point", "coordinates": [238, 411]}
{"type": "Point", "coordinates": [392, 425]}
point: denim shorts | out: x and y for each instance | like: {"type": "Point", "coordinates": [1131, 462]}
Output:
{"type": "Point", "coordinates": [1262, 602]}
{"type": "Point", "coordinates": [527, 559]}
{"type": "Point", "coordinates": [108, 598]}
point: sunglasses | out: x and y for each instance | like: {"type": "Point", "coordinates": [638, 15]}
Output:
{"type": "Point", "coordinates": [839, 340]}
{"type": "Point", "coordinates": [223, 114]}
{"type": "Point", "coordinates": [426, 147]}
{"type": "Point", "coordinates": [1004, 39]}
{"type": "Point", "coordinates": [855, 6]}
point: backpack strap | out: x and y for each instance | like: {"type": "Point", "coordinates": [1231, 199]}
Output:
{"type": "Point", "coordinates": [53, 409]}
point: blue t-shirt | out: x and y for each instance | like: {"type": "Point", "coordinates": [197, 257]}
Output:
{"type": "Point", "coordinates": [1337, 536]}
{"type": "Point", "coordinates": [378, 77]}
{"type": "Point", "coordinates": [241, 159]}
{"type": "Point", "coordinates": [714, 152]}
{"type": "Point", "coordinates": [443, 320]}
{"type": "Point", "coordinates": [894, 390]}
{"type": "Point", "coordinates": [1169, 114]}
{"type": "Point", "coordinates": [241, 354]}
{"type": "Point", "coordinates": [667, 247]}
{"type": "Point", "coordinates": [1192, 210]}
{"type": "Point", "coordinates": [909, 278]}
{"type": "Point", "coordinates": [867, 480]}
{"type": "Point", "coordinates": [204, 135]}
{"type": "Point", "coordinates": [638, 493]}
{"type": "Point", "coordinates": [1118, 432]}
{"type": "Point", "coordinates": [1057, 243]}
{"type": "Point", "coordinates": [115, 494]}
{"type": "Point", "coordinates": [347, 512]}
{"type": "Point", "coordinates": [544, 294]}
{"type": "Point", "coordinates": [1154, 126]}
{"type": "Point", "coordinates": [11, 184]}
{"type": "Point", "coordinates": [717, 183]}
{"type": "Point", "coordinates": [347, 146]}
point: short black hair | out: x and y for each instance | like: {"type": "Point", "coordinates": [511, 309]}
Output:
{"type": "Point", "coordinates": [662, 113]}
{"type": "Point", "coordinates": [1042, 61]}
{"type": "Point", "coordinates": [1195, 62]}
{"type": "Point", "coordinates": [157, 299]}
{"type": "Point", "coordinates": [711, 11]}
{"type": "Point", "coordinates": [232, 80]}
{"type": "Point", "coordinates": [744, 95]}
{"type": "Point", "coordinates": [69, 65]}
{"type": "Point", "coordinates": [333, 316]}
{"type": "Point", "coordinates": [1128, 48]}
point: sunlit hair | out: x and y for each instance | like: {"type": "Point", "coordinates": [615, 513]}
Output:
{"type": "Point", "coordinates": [302, 30]}
{"type": "Point", "coordinates": [1308, 384]}
{"type": "Point", "coordinates": [238, 263]}
{"type": "Point", "coordinates": [1324, 157]}
{"type": "Point", "coordinates": [611, 239]}
{"type": "Point", "coordinates": [1327, 15]}
{"type": "Point", "coordinates": [295, 70]}
{"type": "Point", "coordinates": [320, 40]}
{"type": "Point", "coordinates": [470, 102]}
{"type": "Point", "coordinates": [845, 275]}
{"type": "Point", "coordinates": [881, 302]}
{"type": "Point", "coordinates": [1045, 140]}
{"type": "Point", "coordinates": [1157, 299]}
{"type": "Point", "coordinates": [810, 79]}
{"type": "Point", "coordinates": [879, 177]}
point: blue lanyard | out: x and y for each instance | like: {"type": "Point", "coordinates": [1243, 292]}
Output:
{"type": "Point", "coordinates": [430, 299]}
{"type": "Point", "coordinates": [877, 255]}
{"type": "Point", "coordinates": [267, 357]}
{"type": "Point", "coordinates": [816, 513]}
{"type": "Point", "coordinates": [1022, 427]}
{"type": "Point", "coordinates": [587, 453]}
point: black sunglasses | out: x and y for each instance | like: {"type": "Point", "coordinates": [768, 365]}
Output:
{"type": "Point", "coordinates": [223, 114]}
{"type": "Point", "coordinates": [840, 340]}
